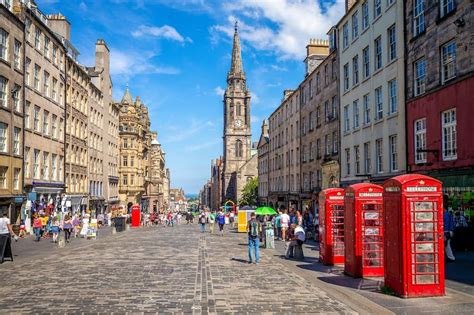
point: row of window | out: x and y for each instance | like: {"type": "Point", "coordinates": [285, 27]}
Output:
{"type": "Point", "coordinates": [43, 122]}
{"type": "Point", "coordinates": [129, 180]}
{"type": "Point", "coordinates": [96, 165]}
{"type": "Point", "coordinates": [448, 68]}
{"type": "Point", "coordinates": [76, 183]}
{"type": "Point", "coordinates": [5, 139]}
{"type": "Point", "coordinates": [365, 19]}
{"type": "Point", "coordinates": [314, 119]}
{"type": "Point", "coordinates": [419, 9]}
{"type": "Point", "coordinates": [76, 127]}
{"type": "Point", "coordinates": [366, 68]}
{"type": "Point", "coordinates": [48, 85]}
{"type": "Point", "coordinates": [128, 162]}
{"type": "Point", "coordinates": [287, 182]}
{"type": "Point", "coordinates": [312, 180]}
{"type": "Point", "coordinates": [43, 165]}
{"type": "Point", "coordinates": [448, 137]}
{"type": "Point", "coordinates": [43, 44]}
{"type": "Point", "coordinates": [96, 188]}
{"type": "Point", "coordinates": [366, 168]}
{"type": "Point", "coordinates": [4, 178]}
{"type": "Point", "coordinates": [314, 85]}
{"type": "Point", "coordinates": [8, 54]}
{"type": "Point", "coordinates": [76, 155]}
{"type": "Point", "coordinates": [96, 118]}
{"type": "Point", "coordinates": [313, 151]}
{"type": "Point", "coordinates": [366, 107]}
{"type": "Point", "coordinates": [5, 89]}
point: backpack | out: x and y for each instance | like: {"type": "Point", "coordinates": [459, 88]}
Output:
{"type": "Point", "coordinates": [253, 231]}
{"type": "Point", "coordinates": [203, 219]}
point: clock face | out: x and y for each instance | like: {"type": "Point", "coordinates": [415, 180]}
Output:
{"type": "Point", "coordinates": [238, 123]}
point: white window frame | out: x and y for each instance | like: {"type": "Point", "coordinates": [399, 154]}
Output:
{"type": "Point", "coordinates": [449, 134]}
{"type": "Point", "coordinates": [355, 113]}
{"type": "Point", "coordinates": [3, 137]}
{"type": "Point", "coordinates": [46, 46]}
{"type": "Point", "coordinates": [355, 70]}
{"type": "Point", "coordinates": [36, 118]}
{"type": "Point", "coordinates": [27, 162]}
{"type": "Point", "coordinates": [335, 142]}
{"type": "Point", "coordinates": [365, 15]}
{"type": "Point", "coordinates": [36, 163]}
{"type": "Point", "coordinates": [393, 153]}
{"type": "Point", "coordinates": [392, 43]}
{"type": "Point", "coordinates": [16, 140]}
{"type": "Point", "coordinates": [377, 8]}
{"type": "Point", "coordinates": [355, 25]}
{"type": "Point", "coordinates": [17, 55]}
{"type": "Point", "coordinates": [378, 103]}
{"type": "Point", "coordinates": [16, 96]}
{"type": "Point", "coordinates": [348, 161]}
{"type": "Point", "coordinates": [4, 44]}
{"type": "Point", "coordinates": [16, 178]}
{"type": "Point", "coordinates": [3, 177]}
{"type": "Point", "coordinates": [420, 140]}
{"type": "Point", "coordinates": [46, 78]}
{"type": "Point", "coordinates": [4, 92]}
{"type": "Point", "coordinates": [392, 96]}
{"type": "Point", "coordinates": [366, 61]}
{"type": "Point", "coordinates": [357, 159]}
{"type": "Point", "coordinates": [448, 61]}
{"type": "Point", "coordinates": [345, 35]}
{"type": "Point", "coordinates": [379, 155]}
{"type": "Point", "coordinates": [36, 77]}
{"type": "Point", "coordinates": [346, 119]}
{"type": "Point", "coordinates": [37, 38]}
{"type": "Point", "coordinates": [366, 100]}
{"type": "Point", "coordinates": [346, 76]}
{"type": "Point", "coordinates": [418, 17]}
{"type": "Point", "coordinates": [378, 64]}
{"type": "Point", "coordinates": [367, 159]}
{"type": "Point", "coordinates": [419, 72]}
{"type": "Point", "coordinates": [45, 129]}
{"type": "Point", "coordinates": [446, 7]}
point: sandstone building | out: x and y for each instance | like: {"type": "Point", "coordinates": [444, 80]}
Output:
{"type": "Point", "coordinates": [370, 45]}
{"type": "Point", "coordinates": [11, 113]}
{"type": "Point", "coordinates": [238, 163]}
{"type": "Point", "coordinates": [262, 151]}
{"type": "Point", "coordinates": [440, 80]}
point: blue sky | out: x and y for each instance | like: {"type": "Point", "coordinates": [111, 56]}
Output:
{"type": "Point", "coordinates": [175, 55]}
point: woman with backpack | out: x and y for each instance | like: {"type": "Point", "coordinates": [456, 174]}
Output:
{"type": "Point", "coordinates": [202, 222]}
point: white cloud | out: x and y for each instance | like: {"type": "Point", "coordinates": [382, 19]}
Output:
{"type": "Point", "coordinates": [219, 91]}
{"type": "Point", "coordinates": [293, 23]}
{"type": "Point", "coordinates": [254, 119]}
{"type": "Point", "coordinates": [187, 132]}
{"type": "Point", "coordinates": [201, 146]}
{"type": "Point", "coordinates": [165, 31]}
{"type": "Point", "coordinates": [132, 63]}
{"type": "Point", "coordinates": [83, 6]}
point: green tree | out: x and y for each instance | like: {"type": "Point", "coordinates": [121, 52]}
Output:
{"type": "Point", "coordinates": [250, 193]}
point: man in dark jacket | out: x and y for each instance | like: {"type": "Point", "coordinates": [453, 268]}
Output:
{"type": "Point", "coordinates": [253, 230]}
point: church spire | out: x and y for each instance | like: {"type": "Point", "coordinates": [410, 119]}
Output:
{"type": "Point", "coordinates": [236, 69]}
{"type": "Point", "coordinates": [127, 97]}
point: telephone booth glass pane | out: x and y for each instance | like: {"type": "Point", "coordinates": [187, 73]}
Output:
{"type": "Point", "coordinates": [424, 246]}
{"type": "Point", "coordinates": [372, 235]}
{"type": "Point", "coordinates": [337, 217]}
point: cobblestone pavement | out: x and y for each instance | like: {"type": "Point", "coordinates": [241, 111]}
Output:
{"type": "Point", "coordinates": [165, 270]}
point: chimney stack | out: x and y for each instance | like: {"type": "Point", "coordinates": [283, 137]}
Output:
{"type": "Point", "coordinates": [316, 51]}
{"type": "Point", "coordinates": [349, 4]}
{"type": "Point", "coordinates": [60, 25]}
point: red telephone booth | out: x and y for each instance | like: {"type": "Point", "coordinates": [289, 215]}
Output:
{"type": "Point", "coordinates": [136, 216]}
{"type": "Point", "coordinates": [414, 244]}
{"type": "Point", "coordinates": [331, 226]}
{"type": "Point", "coordinates": [363, 230]}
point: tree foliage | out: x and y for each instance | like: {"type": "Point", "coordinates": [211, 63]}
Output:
{"type": "Point", "coordinates": [250, 193]}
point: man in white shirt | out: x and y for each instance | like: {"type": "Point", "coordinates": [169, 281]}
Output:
{"type": "Point", "coordinates": [296, 237]}
{"type": "Point", "coordinates": [5, 226]}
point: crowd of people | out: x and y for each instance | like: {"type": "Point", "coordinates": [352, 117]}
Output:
{"type": "Point", "coordinates": [213, 218]}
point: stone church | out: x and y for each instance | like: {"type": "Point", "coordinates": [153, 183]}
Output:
{"type": "Point", "coordinates": [240, 161]}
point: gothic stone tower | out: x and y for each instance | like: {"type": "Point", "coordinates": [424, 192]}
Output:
{"type": "Point", "coordinates": [237, 136]}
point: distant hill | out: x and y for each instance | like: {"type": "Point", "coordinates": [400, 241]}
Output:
{"type": "Point", "coordinates": [192, 196]}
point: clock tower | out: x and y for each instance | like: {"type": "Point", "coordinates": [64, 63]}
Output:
{"type": "Point", "coordinates": [237, 135]}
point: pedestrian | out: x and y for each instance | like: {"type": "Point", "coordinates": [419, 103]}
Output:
{"type": "Point", "coordinates": [212, 221]}
{"type": "Point", "coordinates": [37, 226]}
{"type": "Point", "coordinates": [202, 222]}
{"type": "Point", "coordinates": [22, 229]}
{"type": "Point", "coordinates": [6, 226]}
{"type": "Point", "coordinates": [253, 230]}
{"type": "Point", "coordinates": [449, 225]}
{"type": "Point", "coordinates": [296, 237]}
{"type": "Point", "coordinates": [44, 223]}
{"type": "Point", "coordinates": [221, 222]}
{"type": "Point", "coordinates": [299, 218]}
{"type": "Point", "coordinates": [55, 229]}
{"type": "Point", "coordinates": [76, 225]}
{"type": "Point", "coordinates": [284, 221]}
{"type": "Point", "coordinates": [67, 227]}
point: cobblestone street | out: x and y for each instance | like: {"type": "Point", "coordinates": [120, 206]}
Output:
{"type": "Point", "coordinates": [158, 270]}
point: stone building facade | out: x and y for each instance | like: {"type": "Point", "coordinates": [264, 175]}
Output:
{"type": "Point", "coordinates": [12, 49]}
{"type": "Point", "coordinates": [135, 139]}
{"type": "Point", "coordinates": [284, 175]}
{"type": "Point", "coordinates": [157, 176]}
{"type": "Point", "coordinates": [440, 80]}
{"type": "Point", "coordinates": [237, 130]}
{"type": "Point", "coordinates": [44, 109]}
{"type": "Point", "coordinates": [319, 123]}
{"type": "Point", "coordinates": [216, 184]}
{"type": "Point", "coordinates": [262, 151]}
{"type": "Point", "coordinates": [104, 129]}
{"type": "Point", "coordinates": [370, 42]}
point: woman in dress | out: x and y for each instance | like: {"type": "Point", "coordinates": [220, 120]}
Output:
{"type": "Point", "coordinates": [55, 229]}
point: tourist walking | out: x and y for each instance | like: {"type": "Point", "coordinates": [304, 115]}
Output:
{"type": "Point", "coordinates": [449, 225]}
{"type": "Point", "coordinates": [37, 226]}
{"type": "Point", "coordinates": [67, 227]}
{"type": "Point", "coordinates": [55, 229]}
{"type": "Point", "coordinates": [212, 221]}
{"type": "Point", "coordinates": [202, 222]}
{"type": "Point", "coordinates": [221, 222]}
{"type": "Point", "coordinates": [253, 230]}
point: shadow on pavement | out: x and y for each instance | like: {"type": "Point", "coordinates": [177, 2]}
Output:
{"type": "Point", "coordinates": [240, 260]}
